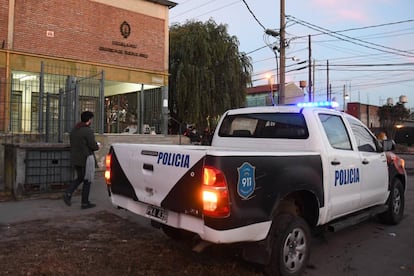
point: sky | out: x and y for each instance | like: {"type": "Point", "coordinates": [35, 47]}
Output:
{"type": "Point", "coordinates": [366, 47]}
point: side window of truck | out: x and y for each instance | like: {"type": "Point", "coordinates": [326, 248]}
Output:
{"type": "Point", "coordinates": [335, 131]}
{"type": "Point", "coordinates": [365, 140]}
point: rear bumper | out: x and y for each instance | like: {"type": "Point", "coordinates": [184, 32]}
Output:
{"type": "Point", "coordinates": [248, 233]}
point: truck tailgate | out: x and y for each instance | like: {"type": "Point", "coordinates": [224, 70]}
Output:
{"type": "Point", "coordinates": [152, 171]}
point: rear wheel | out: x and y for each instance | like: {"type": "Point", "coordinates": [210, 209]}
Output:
{"type": "Point", "coordinates": [290, 246]}
{"type": "Point", "coordinates": [395, 211]}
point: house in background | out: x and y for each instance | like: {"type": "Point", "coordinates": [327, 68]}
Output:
{"type": "Point", "coordinates": [261, 95]}
{"type": "Point", "coordinates": [368, 114]}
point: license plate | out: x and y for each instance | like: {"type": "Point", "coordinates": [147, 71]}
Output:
{"type": "Point", "coordinates": [157, 213]}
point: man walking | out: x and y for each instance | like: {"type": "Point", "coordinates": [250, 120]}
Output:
{"type": "Point", "coordinates": [83, 144]}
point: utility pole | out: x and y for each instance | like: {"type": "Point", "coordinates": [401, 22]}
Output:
{"type": "Point", "coordinates": [327, 80]}
{"type": "Point", "coordinates": [344, 98]}
{"type": "Point", "coordinates": [310, 69]}
{"type": "Point", "coordinates": [330, 92]}
{"type": "Point", "coordinates": [313, 79]}
{"type": "Point", "coordinates": [282, 53]}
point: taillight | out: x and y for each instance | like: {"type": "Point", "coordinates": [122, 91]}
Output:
{"type": "Point", "coordinates": [215, 193]}
{"type": "Point", "coordinates": [108, 160]}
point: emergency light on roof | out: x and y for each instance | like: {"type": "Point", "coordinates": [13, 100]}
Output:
{"type": "Point", "coordinates": [319, 104]}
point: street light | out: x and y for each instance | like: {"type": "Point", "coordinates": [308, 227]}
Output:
{"type": "Point", "coordinates": [277, 66]}
{"type": "Point", "coordinates": [271, 93]}
{"type": "Point", "coordinates": [346, 97]}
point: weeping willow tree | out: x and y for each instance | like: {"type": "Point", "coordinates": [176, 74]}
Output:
{"type": "Point", "coordinates": [208, 75]}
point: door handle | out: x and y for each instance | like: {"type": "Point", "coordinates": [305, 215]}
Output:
{"type": "Point", "coordinates": [148, 167]}
{"type": "Point", "coordinates": [335, 162]}
{"type": "Point", "coordinates": [365, 161]}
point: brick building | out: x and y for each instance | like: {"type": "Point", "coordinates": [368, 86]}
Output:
{"type": "Point", "coordinates": [368, 114]}
{"type": "Point", "coordinates": [44, 45]}
{"type": "Point", "coordinates": [260, 95]}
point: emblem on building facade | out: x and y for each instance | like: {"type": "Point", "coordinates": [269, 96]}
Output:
{"type": "Point", "coordinates": [125, 29]}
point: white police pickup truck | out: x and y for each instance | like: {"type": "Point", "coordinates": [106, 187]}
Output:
{"type": "Point", "coordinates": [270, 176]}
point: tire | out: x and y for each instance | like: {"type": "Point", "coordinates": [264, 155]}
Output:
{"type": "Point", "coordinates": [177, 234]}
{"type": "Point", "coordinates": [395, 203]}
{"type": "Point", "coordinates": [291, 240]}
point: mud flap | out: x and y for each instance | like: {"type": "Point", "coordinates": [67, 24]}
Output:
{"type": "Point", "coordinates": [258, 252]}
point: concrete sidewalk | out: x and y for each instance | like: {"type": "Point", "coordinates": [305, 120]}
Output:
{"type": "Point", "coordinates": [51, 206]}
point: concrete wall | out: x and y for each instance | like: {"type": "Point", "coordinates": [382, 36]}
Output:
{"type": "Point", "coordinates": [8, 159]}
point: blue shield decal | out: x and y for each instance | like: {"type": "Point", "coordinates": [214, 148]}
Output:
{"type": "Point", "coordinates": [247, 180]}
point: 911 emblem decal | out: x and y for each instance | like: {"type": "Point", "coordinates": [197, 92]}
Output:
{"type": "Point", "coordinates": [246, 182]}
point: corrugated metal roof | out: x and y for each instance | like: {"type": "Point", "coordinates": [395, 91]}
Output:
{"type": "Point", "coordinates": [169, 4]}
{"type": "Point", "coordinates": [260, 89]}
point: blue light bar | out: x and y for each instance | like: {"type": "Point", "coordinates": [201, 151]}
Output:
{"type": "Point", "coordinates": [319, 104]}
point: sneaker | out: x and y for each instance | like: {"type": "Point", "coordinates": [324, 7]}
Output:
{"type": "Point", "coordinates": [66, 199]}
{"type": "Point", "coordinates": [87, 205]}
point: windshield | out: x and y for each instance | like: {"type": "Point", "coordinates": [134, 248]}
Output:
{"type": "Point", "coordinates": [265, 125]}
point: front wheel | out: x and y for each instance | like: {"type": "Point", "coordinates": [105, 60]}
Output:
{"type": "Point", "coordinates": [395, 211]}
{"type": "Point", "coordinates": [290, 246]}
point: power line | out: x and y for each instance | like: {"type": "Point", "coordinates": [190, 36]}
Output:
{"type": "Point", "coordinates": [351, 59]}
{"type": "Point", "coordinates": [192, 9]}
{"type": "Point", "coordinates": [394, 33]}
{"type": "Point", "coordinates": [372, 70]}
{"type": "Point", "coordinates": [368, 65]}
{"type": "Point", "coordinates": [254, 16]}
{"type": "Point", "coordinates": [257, 49]}
{"type": "Point", "coordinates": [369, 85]}
{"type": "Point", "coordinates": [207, 12]}
{"type": "Point", "coordinates": [375, 26]}
{"type": "Point", "coordinates": [359, 28]}
{"type": "Point", "coordinates": [219, 8]}
{"type": "Point", "coordinates": [352, 40]}
{"type": "Point", "coordinates": [360, 56]}
{"type": "Point", "coordinates": [273, 75]}
{"type": "Point", "coordinates": [266, 59]}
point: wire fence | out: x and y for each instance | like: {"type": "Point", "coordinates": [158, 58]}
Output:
{"type": "Point", "coordinates": [42, 107]}
{"type": "Point", "coordinates": [38, 111]}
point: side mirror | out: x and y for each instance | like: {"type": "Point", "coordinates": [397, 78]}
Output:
{"type": "Point", "coordinates": [388, 145]}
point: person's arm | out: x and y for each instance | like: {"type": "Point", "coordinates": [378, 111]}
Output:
{"type": "Point", "coordinates": [91, 142]}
